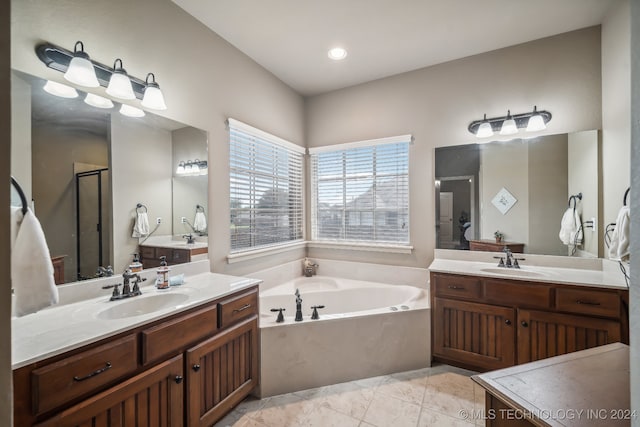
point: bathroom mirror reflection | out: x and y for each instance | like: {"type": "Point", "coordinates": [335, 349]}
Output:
{"type": "Point", "coordinates": [84, 169]}
{"type": "Point", "coordinates": [521, 189]}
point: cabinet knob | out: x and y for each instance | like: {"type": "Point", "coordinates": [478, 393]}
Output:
{"type": "Point", "coordinates": [196, 367]}
{"type": "Point", "coordinates": [508, 322]}
{"type": "Point", "coordinates": [178, 379]}
{"type": "Point", "coordinates": [525, 324]}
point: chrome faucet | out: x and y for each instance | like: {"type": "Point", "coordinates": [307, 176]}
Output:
{"type": "Point", "coordinates": [508, 257]}
{"type": "Point", "coordinates": [190, 238]}
{"type": "Point", "coordinates": [298, 306]}
{"type": "Point", "coordinates": [309, 268]}
{"type": "Point", "coordinates": [127, 290]}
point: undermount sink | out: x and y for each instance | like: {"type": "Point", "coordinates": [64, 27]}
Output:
{"type": "Point", "coordinates": [142, 305]}
{"type": "Point", "coordinates": [513, 272]}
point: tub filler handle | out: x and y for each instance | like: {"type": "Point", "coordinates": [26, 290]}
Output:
{"type": "Point", "coordinates": [314, 315]}
{"type": "Point", "coordinates": [280, 318]}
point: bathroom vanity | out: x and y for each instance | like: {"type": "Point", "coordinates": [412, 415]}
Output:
{"type": "Point", "coordinates": [485, 317]}
{"type": "Point", "coordinates": [102, 365]}
{"type": "Point", "coordinates": [175, 253]}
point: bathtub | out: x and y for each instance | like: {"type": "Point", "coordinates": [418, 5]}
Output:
{"type": "Point", "coordinates": [366, 329]}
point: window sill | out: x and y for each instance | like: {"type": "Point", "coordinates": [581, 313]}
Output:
{"type": "Point", "coordinates": [352, 246]}
{"type": "Point", "coordinates": [268, 250]}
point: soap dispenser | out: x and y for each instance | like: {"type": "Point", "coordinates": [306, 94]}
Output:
{"type": "Point", "coordinates": [136, 265]}
{"type": "Point", "coordinates": [162, 278]}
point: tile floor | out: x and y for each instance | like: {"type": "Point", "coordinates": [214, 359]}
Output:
{"type": "Point", "coordinates": [437, 396]}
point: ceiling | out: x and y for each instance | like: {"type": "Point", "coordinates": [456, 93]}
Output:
{"type": "Point", "coordinates": [290, 38]}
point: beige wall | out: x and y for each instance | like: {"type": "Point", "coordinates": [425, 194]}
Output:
{"type": "Point", "coordinates": [616, 104]}
{"type": "Point", "coordinates": [435, 104]}
{"type": "Point", "coordinates": [21, 133]}
{"type": "Point", "coordinates": [205, 80]}
{"type": "Point", "coordinates": [584, 148]}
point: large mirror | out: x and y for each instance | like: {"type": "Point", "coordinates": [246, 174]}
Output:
{"type": "Point", "coordinates": [521, 189]}
{"type": "Point", "coordinates": [85, 170]}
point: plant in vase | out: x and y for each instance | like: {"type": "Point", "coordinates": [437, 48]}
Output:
{"type": "Point", "coordinates": [499, 236]}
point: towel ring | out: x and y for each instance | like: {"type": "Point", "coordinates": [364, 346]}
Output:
{"type": "Point", "coordinates": [626, 194]}
{"type": "Point", "coordinates": [23, 198]}
{"type": "Point", "coordinates": [575, 199]}
{"type": "Point", "coordinates": [140, 205]}
{"type": "Point", "coordinates": [199, 208]}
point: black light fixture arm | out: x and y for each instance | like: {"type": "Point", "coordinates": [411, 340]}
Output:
{"type": "Point", "coordinates": [58, 58]}
{"type": "Point", "coordinates": [521, 120]}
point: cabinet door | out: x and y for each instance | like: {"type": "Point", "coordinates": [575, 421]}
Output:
{"type": "Point", "coordinates": [542, 334]}
{"type": "Point", "coordinates": [221, 372]}
{"type": "Point", "coordinates": [153, 398]}
{"type": "Point", "coordinates": [477, 335]}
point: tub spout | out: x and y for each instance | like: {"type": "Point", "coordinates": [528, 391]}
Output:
{"type": "Point", "coordinates": [298, 306]}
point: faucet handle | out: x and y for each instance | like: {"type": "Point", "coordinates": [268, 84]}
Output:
{"type": "Point", "coordinates": [116, 292]}
{"type": "Point", "coordinates": [314, 315]}
{"type": "Point", "coordinates": [515, 262]}
{"type": "Point", "coordinates": [280, 318]}
{"type": "Point", "coordinates": [501, 262]}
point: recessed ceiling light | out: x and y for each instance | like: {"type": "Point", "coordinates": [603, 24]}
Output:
{"type": "Point", "coordinates": [337, 53]}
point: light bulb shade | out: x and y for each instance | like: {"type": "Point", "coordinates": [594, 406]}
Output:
{"type": "Point", "coordinates": [98, 101]}
{"type": "Point", "coordinates": [536, 123]}
{"type": "Point", "coordinates": [484, 130]}
{"type": "Point", "coordinates": [58, 89]}
{"type": "Point", "coordinates": [153, 98]}
{"type": "Point", "coordinates": [80, 70]}
{"type": "Point", "coordinates": [129, 111]}
{"type": "Point", "coordinates": [509, 127]}
{"type": "Point", "coordinates": [180, 169]}
{"type": "Point", "coordinates": [120, 86]}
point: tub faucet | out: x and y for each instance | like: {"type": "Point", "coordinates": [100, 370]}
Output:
{"type": "Point", "coordinates": [298, 306]}
{"type": "Point", "coordinates": [309, 268]}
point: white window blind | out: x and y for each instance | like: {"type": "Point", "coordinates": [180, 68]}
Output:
{"type": "Point", "coordinates": [266, 189]}
{"type": "Point", "coordinates": [360, 191]}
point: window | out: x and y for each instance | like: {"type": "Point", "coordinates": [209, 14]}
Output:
{"type": "Point", "coordinates": [360, 191]}
{"type": "Point", "coordinates": [266, 189]}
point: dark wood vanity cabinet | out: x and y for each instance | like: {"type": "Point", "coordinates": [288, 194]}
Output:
{"type": "Point", "coordinates": [189, 369]}
{"type": "Point", "coordinates": [493, 246]}
{"type": "Point", "coordinates": [150, 255]}
{"type": "Point", "coordinates": [486, 324]}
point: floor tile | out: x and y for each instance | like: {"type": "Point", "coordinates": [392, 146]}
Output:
{"type": "Point", "coordinates": [430, 418]}
{"type": "Point", "coordinates": [283, 410]}
{"type": "Point", "coordinates": [322, 416]}
{"type": "Point", "coordinates": [449, 393]}
{"type": "Point", "coordinates": [385, 411]}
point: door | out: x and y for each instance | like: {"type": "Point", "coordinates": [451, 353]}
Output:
{"type": "Point", "coordinates": [446, 220]}
{"type": "Point", "coordinates": [150, 399]}
{"type": "Point", "coordinates": [542, 334]}
{"type": "Point", "coordinates": [221, 372]}
{"type": "Point", "coordinates": [479, 335]}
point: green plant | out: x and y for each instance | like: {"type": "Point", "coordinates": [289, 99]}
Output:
{"type": "Point", "coordinates": [499, 235]}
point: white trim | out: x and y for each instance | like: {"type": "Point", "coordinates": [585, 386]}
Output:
{"type": "Point", "coordinates": [357, 246]}
{"type": "Point", "coordinates": [236, 124]}
{"type": "Point", "coordinates": [367, 143]}
{"type": "Point", "coordinates": [263, 251]}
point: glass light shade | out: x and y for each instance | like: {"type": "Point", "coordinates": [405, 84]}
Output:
{"type": "Point", "coordinates": [81, 72]}
{"type": "Point", "coordinates": [120, 86]}
{"type": "Point", "coordinates": [536, 123]}
{"type": "Point", "coordinates": [153, 98]}
{"type": "Point", "coordinates": [180, 169]}
{"type": "Point", "coordinates": [129, 111]}
{"type": "Point", "coordinates": [58, 89]}
{"type": "Point", "coordinates": [509, 127]}
{"type": "Point", "coordinates": [98, 101]}
{"type": "Point", "coordinates": [484, 130]}
{"type": "Point", "coordinates": [188, 168]}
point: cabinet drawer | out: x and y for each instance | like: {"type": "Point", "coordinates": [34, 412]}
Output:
{"type": "Point", "coordinates": [180, 256]}
{"type": "Point", "coordinates": [169, 337]}
{"type": "Point", "coordinates": [586, 301]}
{"type": "Point", "coordinates": [237, 308]}
{"type": "Point", "coordinates": [457, 286]}
{"type": "Point", "coordinates": [69, 378]}
{"type": "Point", "coordinates": [165, 252]}
{"type": "Point", "coordinates": [517, 293]}
{"type": "Point", "coordinates": [147, 253]}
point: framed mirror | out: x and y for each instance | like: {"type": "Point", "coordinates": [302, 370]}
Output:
{"type": "Point", "coordinates": [85, 169]}
{"type": "Point", "coordinates": [519, 190]}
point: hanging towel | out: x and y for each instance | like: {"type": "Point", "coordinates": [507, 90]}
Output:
{"type": "Point", "coordinates": [141, 226]}
{"type": "Point", "coordinates": [31, 267]}
{"type": "Point", "coordinates": [619, 248]}
{"type": "Point", "coordinates": [200, 222]}
{"type": "Point", "coordinates": [570, 230]}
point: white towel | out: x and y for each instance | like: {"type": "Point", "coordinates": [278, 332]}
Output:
{"type": "Point", "coordinates": [31, 267]}
{"type": "Point", "coordinates": [200, 222]}
{"type": "Point", "coordinates": [141, 226]}
{"type": "Point", "coordinates": [619, 248]}
{"type": "Point", "coordinates": [570, 230]}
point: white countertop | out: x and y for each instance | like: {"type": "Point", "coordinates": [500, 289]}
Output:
{"type": "Point", "coordinates": [595, 273]}
{"type": "Point", "coordinates": [62, 328]}
{"type": "Point", "coordinates": [172, 242]}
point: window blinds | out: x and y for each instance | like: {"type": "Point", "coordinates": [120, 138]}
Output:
{"type": "Point", "coordinates": [360, 191]}
{"type": "Point", "coordinates": [266, 203]}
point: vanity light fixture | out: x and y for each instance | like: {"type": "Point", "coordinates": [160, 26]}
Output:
{"type": "Point", "coordinates": [180, 168]}
{"type": "Point", "coordinates": [510, 124]}
{"type": "Point", "coordinates": [63, 60]}
{"type": "Point", "coordinates": [153, 97]}
{"type": "Point", "coordinates": [98, 101]}
{"type": "Point", "coordinates": [80, 70]}
{"type": "Point", "coordinates": [337, 53]}
{"type": "Point", "coordinates": [59, 89]}
{"type": "Point", "coordinates": [119, 84]}
{"type": "Point", "coordinates": [129, 111]}
{"type": "Point", "coordinates": [192, 167]}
